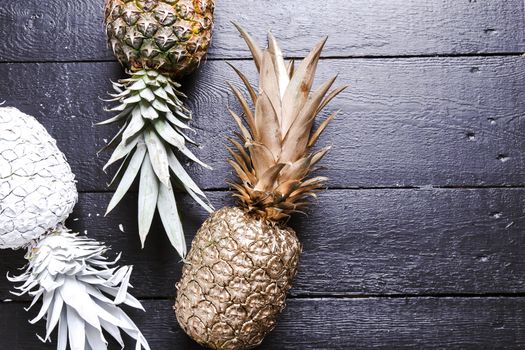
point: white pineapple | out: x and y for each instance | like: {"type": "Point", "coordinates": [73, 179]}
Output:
{"type": "Point", "coordinates": [37, 187]}
{"type": "Point", "coordinates": [79, 288]}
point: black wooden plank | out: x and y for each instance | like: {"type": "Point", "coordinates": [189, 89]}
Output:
{"type": "Point", "coordinates": [60, 30]}
{"type": "Point", "coordinates": [403, 122]}
{"type": "Point", "coordinates": [363, 242]}
{"type": "Point", "coordinates": [371, 323]}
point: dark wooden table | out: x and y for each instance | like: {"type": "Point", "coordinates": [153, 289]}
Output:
{"type": "Point", "coordinates": [420, 240]}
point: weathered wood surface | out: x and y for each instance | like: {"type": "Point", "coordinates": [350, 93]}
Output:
{"type": "Point", "coordinates": [363, 242]}
{"type": "Point", "coordinates": [73, 30]}
{"type": "Point", "coordinates": [386, 267]}
{"type": "Point", "coordinates": [403, 122]}
{"type": "Point", "coordinates": [317, 324]}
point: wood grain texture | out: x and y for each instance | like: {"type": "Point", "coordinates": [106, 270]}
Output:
{"type": "Point", "coordinates": [73, 30]}
{"type": "Point", "coordinates": [385, 268]}
{"type": "Point", "coordinates": [364, 242]}
{"type": "Point", "coordinates": [403, 122]}
{"type": "Point", "coordinates": [370, 323]}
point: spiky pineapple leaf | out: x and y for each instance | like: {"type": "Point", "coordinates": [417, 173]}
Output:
{"type": "Point", "coordinates": [269, 178]}
{"type": "Point", "coordinates": [146, 94]}
{"type": "Point", "coordinates": [262, 158]}
{"type": "Point", "coordinates": [248, 114]}
{"type": "Point", "coordinates": [158, 155]}
{"type": "Point", "coordinates": [267, 124]}
{"type": "Point", "coordinates": [177, 140]}
{"type": "Point", "coordinates": [132, 99]}
{"type": "Point", "coordinates": [148, 111]}
{"type": "Point", "coordinates": [118, 117]}
{"type": "Point", "coordinates": [273, 173]}
{"type": "Point", "coordinates": [269, 85]}
{"type": "Point", "coordinates": [138, 85]}
{"type": "Point", "coordinates": [135, 125]}
{"type": "Point", "coordinates": [169, 215]}
{"type": "Point", "coordinates": [249, 87]}
{"type": "Point", "coordinates": [281, 71]}
{"type": "Point", "coordinates": [299, 87]}
{"type": "Point", "coordinates": [65, 271]}
{"type": "Point", "coordinates": [245, 132]}
{"type": "Point", "coordinates": [175, 121]}
{"type": "Point", "coordinates": [148, 195]}
{"type": "Point", "coordinates": [161, 93]}
{"type": "Point", "coordinates": [151, 106]}
{"type": "Point", "coordinates": [187, 182]}
{"type": "Point", "coordinates": [252, 45]}
{"type": "Point", "coordinates": [330, 96]}
{"type": "Point", "coordinates": [315, 136]}
{"type": "Point", "coordinates": [181, 173]}
{"type": "Point", "coordinates": [296, 139]}
{"type": "Point", "coordinates": [123, 149]}
{"type": "Point", "coordinates": [160, 106]}
{"type": "Point", "coordinates": [129, 176]}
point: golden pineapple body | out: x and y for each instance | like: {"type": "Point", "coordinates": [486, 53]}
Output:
{"type": "Point", "coordinates": [171, 36]}
{"type": "Point", "coordinates": [243, 260]}
{"type": "Point", "coordinates": [235, 279]}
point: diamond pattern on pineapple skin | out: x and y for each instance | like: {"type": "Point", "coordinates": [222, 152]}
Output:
{"type": "Point", "coordinates": [178, 33]}
{"type": "Point", "coordinates": [240, 270]}
{"type": "Point", "coordinates": [37, 187]}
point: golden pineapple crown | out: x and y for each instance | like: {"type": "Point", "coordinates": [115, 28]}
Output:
{"type": "Point", "coordinates": [275, 157]}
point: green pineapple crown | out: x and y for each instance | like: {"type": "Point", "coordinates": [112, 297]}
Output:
{"type": "Point", "coordinates": [153, 127]}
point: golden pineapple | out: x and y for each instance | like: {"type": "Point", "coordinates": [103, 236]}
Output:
{"type": "Point", "coordinates": [243, 260]}
{"type": "Point", "coordinates": [157, 41]}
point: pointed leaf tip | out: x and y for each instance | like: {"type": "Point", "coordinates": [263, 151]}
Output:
{"type": "Point", "coordinates": [252, 45]}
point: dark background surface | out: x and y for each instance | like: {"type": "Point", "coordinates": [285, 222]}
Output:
{"type": "Point", "coordinates": [418, 243]}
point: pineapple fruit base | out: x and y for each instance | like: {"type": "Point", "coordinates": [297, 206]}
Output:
{"type": "Point", "coordinates": [37, 187]}
{"type": "Point", "coordinates": [171, 36]}
{"type": "Point", "coordinates": [235, 279]}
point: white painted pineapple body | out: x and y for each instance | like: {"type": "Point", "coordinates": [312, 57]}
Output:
{"type": "Point", "coordinates": [37, 187]}
{"type": "Point", "coordinates": [80, 289]}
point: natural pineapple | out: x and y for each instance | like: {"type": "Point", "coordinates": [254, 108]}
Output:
{"type": "Point", "coordinates": [242, 260]}
{"type": "Point", "coordinates": [170, 36]}
{"type": "Point", "coordinates": [79, 287]}
{"type": "Point", "coordinates": [158, 42]}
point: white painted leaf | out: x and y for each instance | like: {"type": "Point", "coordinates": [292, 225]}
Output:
{"type": "Point", "coordinates": [62, 331]}
{"type": "Point", "coordinates": [54, 316]}
{"type": "Point", "coordinates": [46, 302]}
{"type": "Point", "coordinates": [76, 330]}
{"type": "Point", "coordinates": [76, 298]}
{"type": "Point", "coordinates": [95, 338]}
{"type": "Point", "coordinates": [113, 331]}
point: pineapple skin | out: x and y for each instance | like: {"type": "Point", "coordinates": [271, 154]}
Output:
{"type": "Point", "coordinates": [37, 187]}
{"type": "Point", "coordinates": [171, 36]}
{"type": "Point", "coordinates": [235, 279]}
